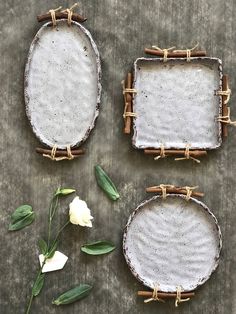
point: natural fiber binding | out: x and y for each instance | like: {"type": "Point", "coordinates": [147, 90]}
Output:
{"type": "Point", "coordinates": [164, 188]}
{"type": "Point", "coordinates": [165, 52]}
{"type": "Point", "coordinates": [188, 52]}
{"type": "Point", "coordinates": [69, 11]}
{"type": "Point", "coordinates": [189, 191]}
{"type": "Point", "coordinates": [53, 157]}
{"type": "Point", "coordinates": [178, 299]}
{"type": "Point", "coordinates": [162, 153]}
{"type": "Point", "coordinates": [226, 119]}
{"type": "Point", "coordinates": [125, 92]}
{"type": "Point", "coordinates": [187, 155]}
{"type": "Point", "coordinates": [154, 296]}
{"type": "Point", "coordinates": [53, 15]}
{"type": "Point", "coordinates": [226, 93]}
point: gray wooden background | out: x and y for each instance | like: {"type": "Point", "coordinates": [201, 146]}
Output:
{"type": "Point", "coordinates": [121, 30]}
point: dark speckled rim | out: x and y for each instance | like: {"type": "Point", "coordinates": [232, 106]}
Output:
{"type": "Point", "coordinates": [140, 207]}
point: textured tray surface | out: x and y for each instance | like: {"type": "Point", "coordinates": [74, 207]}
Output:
{"type": "Point", "coordinates": [172, 243]}
{"type": "Point", "coordinates": [176, 103]}
{"type": "Point", "coordinates": [62, 84]}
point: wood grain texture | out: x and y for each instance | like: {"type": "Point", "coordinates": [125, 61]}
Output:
{"type": "Point", "coordinates": [121, 29]}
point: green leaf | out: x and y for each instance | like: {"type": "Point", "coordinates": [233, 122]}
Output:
{"type": "Point", "coordinates": [64, 192]}
{"type": "Point", "coordinates": [38, 285]}
{"type": "Point", "coordinates": [73, 295]}
{"type": "Point", "coordinates": [98, 248]}
{"type": "Point", "coordinates": [22, 223]}
{"type": "Point", "coordinates": [106, 184]}
{"type": "Point", "coordinates": [52, 250]}
{"type": "Point", "coordinates": [21, 212]}
{"type": "Point", "coordinates": [43, 247]}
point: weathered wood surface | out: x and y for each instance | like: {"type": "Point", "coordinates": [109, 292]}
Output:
{"type": "Point", "coordinates": [121, 29]}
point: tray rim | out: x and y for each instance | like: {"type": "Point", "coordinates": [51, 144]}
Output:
{"type": "Point", "coordinates": [173, 195]}
{"type": "Point", "coordinates": [176, 60]}
{"type": "Point", "coordinates": [98, 74]}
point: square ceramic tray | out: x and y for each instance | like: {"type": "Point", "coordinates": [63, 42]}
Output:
{"type": "Point", "coordinates": [176, 103]}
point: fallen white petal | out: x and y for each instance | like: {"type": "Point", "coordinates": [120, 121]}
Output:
{"type": "Point", "coordinates": [57, 262]}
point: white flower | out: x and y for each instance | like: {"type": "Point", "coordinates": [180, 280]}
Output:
{"type": "Point", "coordinates": [80, 213]}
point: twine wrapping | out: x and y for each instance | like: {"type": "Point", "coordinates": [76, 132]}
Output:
{"type": "Point", "coordinates": [187, 155]}
{"type": "Point", "coordinates": [189, 190]}
{"type": "Point", "coordinates": [164, 188]}
{"type": "Point", "coordinates": [69, 11]}
{"type": "Point", "coordinates": [188, 52]}
{"type": "Point", "coordinates": [165, 52]}
{"type": "Point", "coordinates": [226, 92]}
{"type": "Point", "coordinates": [162, 153]}
{"type": "Point", "coordinates": [226, 119]}
{"type": "Point", "coordinates": [53, 15]}
{"type": "Point", "coordinates": [178, 299]}
{"type": "Point", "coordinates": [154, 296]}
{"type": "Point", "coordinates": [125, 92]}
{"type": "Point", "coordinates": [53, 157]}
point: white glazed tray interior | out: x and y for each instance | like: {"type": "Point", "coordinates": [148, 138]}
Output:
{"type": "Point", "coordinates": [176, 103]}
{"type": "Point", "coordinates": [172, 242]}
{"type": "Point", "coordinates": [62, 84]}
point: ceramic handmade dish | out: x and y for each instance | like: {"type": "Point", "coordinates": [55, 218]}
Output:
{"type": "Point", "coordinates": [172, 243]}
{"type": "Point", "coordinates": [178, 104]}
{"type": "Point", "coordinates": [62, 84]}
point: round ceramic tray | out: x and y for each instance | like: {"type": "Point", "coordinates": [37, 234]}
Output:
{"type": "Point", "coordinates": [172, 243]}
{"type": "Point", "coordinates": [62, 84]}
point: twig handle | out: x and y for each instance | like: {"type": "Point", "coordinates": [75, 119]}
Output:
{"type": "Point", "coordinates": [177, 54]}
{"type": "Point", "coordinates": [166, 295]}
{"type": "Point", "coordinates": [60, 153]}
{"type": "Point", "coordinates": [61, 15]}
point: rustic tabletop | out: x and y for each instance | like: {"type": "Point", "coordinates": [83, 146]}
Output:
{"type": "Point", "coordinates": [121, 29]}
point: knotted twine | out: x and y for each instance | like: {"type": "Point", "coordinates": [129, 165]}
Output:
{"type": "Point", "coordinates": [70, 13]}
{"type": "Point", "coordinates": [53, 157]}
{"type": "Point", "coordinates": [187, 155]}
{"type": "Point", "coordinates": [189, 190]}
{"type": "Point", "coordinates": [125, 92]}
{"type": "Point", "coordinates": [188, 52]}
{"type": "Point", "coordinates": [165, 52]}
{"type": "Point", "coordinates": [226, 119]}
{"type": "Point", "coordinates": [178, 299]}
{"type": "Point", "coordinates": [53, 15]}
{"type": "Point", "coordinates": [162, 153]}
{"type": "Point", "coordinates": [154, 295]}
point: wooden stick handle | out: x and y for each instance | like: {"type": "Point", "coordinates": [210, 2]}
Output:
{"type": "Point", "coordinates": [61, 15]}
{"type": "Point", "coordinates": [163, 295]}
{"type": "Point", "coordinates": [225, 81]}
{"type": "Point", "coordinates": [173, 152]}
{"type": "Point", "coordinates": [61, 153]}
{"type": "Point", "coordinates": [174, 190]}
{"type": "Point", "coordinates": [177, 54]}
{"type": "Point", "coordinates": [128, 100]}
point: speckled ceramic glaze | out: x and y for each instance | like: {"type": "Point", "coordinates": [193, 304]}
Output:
{"type": "Point", "coordinates": [172, 242]}
{"type": "Point", "coordinates": [176, 103]}
{"type": "Point", "coordinates": [62, 84]}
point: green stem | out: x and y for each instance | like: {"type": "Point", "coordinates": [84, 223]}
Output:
{"type": "Point", "coordinates": [32, 296]}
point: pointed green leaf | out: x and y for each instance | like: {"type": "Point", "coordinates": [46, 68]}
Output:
{"type": "Point", "coordinates": [73, 295]}
{"type": "Point", "coordinates": [106, 184]}
{"type": "Point", "coordinates": [52, 250]}
{"type": "Point", "coordinates": [43, 247]}
{"type": "Point", "coordinates": [21, 212]}
{"type": "Point", "coordinates": [38, 285]}
{"type": "Point", "coordinates": [22, 223]}
{"type": "Point", "coordinates": [98, 248]}
{"type": "Point", "coordinates": [64, 192]}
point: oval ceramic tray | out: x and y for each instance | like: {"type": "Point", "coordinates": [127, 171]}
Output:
{"type": "Point", "coordinates": [62, 84]}
{"type": "Point", "coordinates": [172, 243]}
